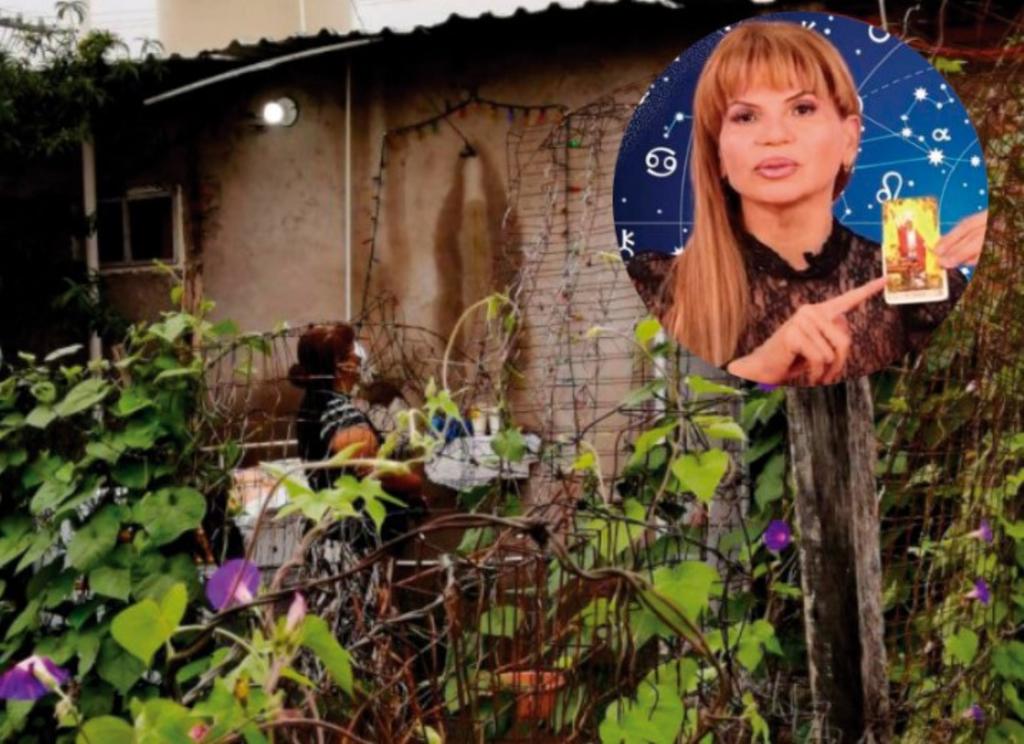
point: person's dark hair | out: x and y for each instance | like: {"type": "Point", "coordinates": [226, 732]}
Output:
{"type": "Point", "coordinates": [320, 349]}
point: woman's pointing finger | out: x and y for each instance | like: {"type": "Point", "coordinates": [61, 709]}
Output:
{"type": "Point", "coordinates": [847, 301]}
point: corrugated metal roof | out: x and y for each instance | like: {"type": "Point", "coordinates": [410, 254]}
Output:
{"type": "Point", "coordinates": [441, 15]}
{"type": "Point", "coordinates": [432, 13]}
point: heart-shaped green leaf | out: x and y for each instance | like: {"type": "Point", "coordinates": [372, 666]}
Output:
{"type": "Point", "coordinates": [95, 538]}
{"type": "Point", "coordinates": [169, 512]}
{"type": "Point", "coordinates": [82, 396]}
{"type": "Point", "coordinates": [111, 582]}
{"type": "Point", "coordinates": [108, 729]}
{"type": "Point", "coordinates": [655, 717]}
{"type": "Point", "coordinates": [701, 472]}
{"type": "Point", "coordinates": [145, 626]}
{"type": "Point", "coordinates": [963, 645]}
{"type": "Point", "coordinates": [117, 666]}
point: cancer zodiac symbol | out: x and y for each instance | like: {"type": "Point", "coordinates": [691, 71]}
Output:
{"type": "Point", "coordinates": [661, 162]}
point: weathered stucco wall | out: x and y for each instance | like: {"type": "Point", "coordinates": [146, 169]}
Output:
{"type": "Point", "coordinates": [266, 220]}
{"type": "Point", "coordinates": [269, 202]}
{"type": "Point", "coordinates": [273, 243]}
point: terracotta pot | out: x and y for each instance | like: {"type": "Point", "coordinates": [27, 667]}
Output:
{"type": "Point", "coordinates": [537, 691]}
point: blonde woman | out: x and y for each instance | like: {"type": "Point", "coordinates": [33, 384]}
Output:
{"type": "Point", "coordinates": [769, 285]}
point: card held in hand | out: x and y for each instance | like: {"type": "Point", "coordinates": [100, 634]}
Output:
{"type": "Point", "coordinates": [910, 230]}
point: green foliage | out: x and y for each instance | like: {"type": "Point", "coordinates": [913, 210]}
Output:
{"type": "Point", "coordinates": [963, 645]}
{"type": "Point", "coordinates": [501, 621]}
{"type": "Point", "coordinates": [655, 714]}
{"type": "Point", "coordinates": [665, 480]}
{"type": "Point", "coordinates": [68, 86]}
{"type": "Point", "coordinates": [317, 637]}
{"type": "Point", "coordinates": [107, 729]}
{"type": "Point", "coordinates": [509, 444]}
{"type": "Point", "coordinates": [340, 501]}
{"type": "Point", "coordinates": [112, 455]}
{"type": "Point", "coordinates": [147, 625]}
{"type": "Point", "coordinates": [949, 66]}
{"type": "Point", "coordinates": [701, 472]}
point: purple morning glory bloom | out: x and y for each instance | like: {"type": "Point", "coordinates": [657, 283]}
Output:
{"type": "Point", "coordinates": [236, 582]}
{"type": "Point", "coordinates": [976, 713]}
{"type": "Point", "coordinates": [980, 591]}
{"type": "Point", "coordinates": [31, 679]}
{"type": "Point", "coordinates": [766, 387]}
{"type": "Point", "coordinates": [984, 531]}
{"type": "Point", "coordinates": [777, 536]}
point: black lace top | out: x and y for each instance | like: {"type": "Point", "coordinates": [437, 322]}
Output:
{"type": "Point", "coordinates": [882, 333]}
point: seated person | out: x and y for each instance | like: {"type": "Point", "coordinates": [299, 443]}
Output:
{"type": "Point", "coordinates": [328, 421]}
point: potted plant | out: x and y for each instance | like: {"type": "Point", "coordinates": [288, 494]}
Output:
{"type": "Point", "coordinates": [535, 691]}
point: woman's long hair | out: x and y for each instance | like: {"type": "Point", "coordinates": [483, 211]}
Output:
{"type": "Point", "coordinates": [320, 349]}
{"type": "Point", "coordinates": [708, 279]}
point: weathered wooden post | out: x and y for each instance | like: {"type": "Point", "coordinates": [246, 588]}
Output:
{"type": "Point", "coordinates": [832, 442]}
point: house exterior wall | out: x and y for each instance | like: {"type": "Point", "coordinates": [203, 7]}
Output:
{"type": "Point", "coordinates": [445, 227]}
{"type": "Point", "coordinates": [273, 247]}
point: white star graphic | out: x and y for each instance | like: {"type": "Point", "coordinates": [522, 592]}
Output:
{"type": "Point", "coordinates": [906, 131]}
{"type": "Point", "coordinates": [975, 161]}
{"type": "Point", "coordinates": [920, 94]}
{"type": "Point", "coordinates": [936, 156]}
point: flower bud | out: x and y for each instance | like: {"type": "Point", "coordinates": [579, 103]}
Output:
{"type": "Point", "coordinates": [296, 613]}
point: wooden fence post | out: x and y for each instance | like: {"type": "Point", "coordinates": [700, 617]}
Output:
{"type": "Point", "coordinates": [832, 443]}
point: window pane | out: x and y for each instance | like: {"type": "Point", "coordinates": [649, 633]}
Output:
{"type": "Point", "coordinates": [111, 232]}
{"type": "Point", "coordinates": [150, 228]}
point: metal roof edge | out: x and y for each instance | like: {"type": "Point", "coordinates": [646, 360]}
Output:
{"type": "Point", "coordinates": [250, 45]}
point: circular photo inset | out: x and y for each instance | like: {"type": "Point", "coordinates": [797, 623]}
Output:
{"type": "Point", "coordinates": [800, 199]}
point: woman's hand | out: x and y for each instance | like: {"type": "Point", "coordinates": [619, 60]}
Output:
{"type": "Point", "coordinates": [962, 245]}
{"type": "Point", "coordinates": [815, 342]}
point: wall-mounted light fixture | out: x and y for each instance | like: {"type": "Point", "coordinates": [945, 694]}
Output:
{"type": "Point", "coordinates": [281, 112]}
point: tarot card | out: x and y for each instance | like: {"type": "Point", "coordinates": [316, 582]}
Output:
{"type": "Point", "coordinates": [910, 230]}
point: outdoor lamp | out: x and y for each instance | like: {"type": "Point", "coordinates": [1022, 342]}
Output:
{"type": "Point", "coordinates": [281, 112]}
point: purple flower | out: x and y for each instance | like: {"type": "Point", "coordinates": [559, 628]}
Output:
{"type": "Point", "coordinates": [31, 679]}
{"type": "Point", "coordinates": [236, 582]}
{"type": "Point", "coordinates": [975, 713]}
{"type": "Point", "coordinates": [980, 591]}
{"type": "Point", "coordinates": [777, 536]}
{"type": "Point", "coordinates": [984, 531]}
{"type": "Point", "coordinates": [766, 387]}
{"type": "Point", "coordinates": [296, 613]}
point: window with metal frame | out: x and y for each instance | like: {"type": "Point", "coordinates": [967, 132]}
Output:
{"type": "Point", "coordinates": [140, 228]}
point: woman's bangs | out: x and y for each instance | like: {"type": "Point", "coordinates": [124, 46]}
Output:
{"type": "Point", "coordinates": [778, 66]}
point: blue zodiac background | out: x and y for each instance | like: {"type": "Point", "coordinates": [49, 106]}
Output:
{"type": "Point", "coordinates": [916, 140]}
